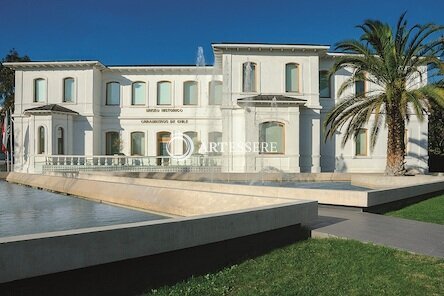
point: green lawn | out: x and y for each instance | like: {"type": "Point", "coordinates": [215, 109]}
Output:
{"type": "Point", "coordinates": [322, 267]}
{"type": "Point", "coordinates": [430, 210]}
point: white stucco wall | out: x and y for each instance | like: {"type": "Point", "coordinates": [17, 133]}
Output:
{"type": "Point", "coordinates": [305, 148]}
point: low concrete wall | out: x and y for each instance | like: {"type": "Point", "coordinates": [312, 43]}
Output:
{"type": "Point", "coordinates": [139, 275]}
{"type": "Point", "coordinates": [38, 254]}
{"type": "Point", "coordinates": [378, 197]}
{"type": "Point", "coordinates": [168, 198]}
{"type": "Point", "coordinates": [220, 177]}
{"type": "Point", "coordinates": [381, 181]}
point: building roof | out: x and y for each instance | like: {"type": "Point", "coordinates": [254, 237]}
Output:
{"type": "Point", "coordinates": [268, 100]}
{"type": "Point", "coordinates": [51, 108]}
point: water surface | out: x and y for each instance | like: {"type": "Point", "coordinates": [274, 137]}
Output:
{"type": "Point", "coordinates": [25, 210]}
{"type": "Point", "coordinates": [330, 185]}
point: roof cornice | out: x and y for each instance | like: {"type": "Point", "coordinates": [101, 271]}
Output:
{"type": "Point", "coordinates": [64, 64]}
{"type": "Point", "coordinates": [160, 69]}
{"type": "Point", "coordinates": [267, 46]}
{"type": "Point", "coordinates": [342, 54]}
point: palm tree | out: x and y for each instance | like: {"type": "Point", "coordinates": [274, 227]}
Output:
{"type": "Point", "coordinates": [396, 62]}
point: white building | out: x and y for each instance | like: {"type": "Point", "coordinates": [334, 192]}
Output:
{"type": "Point", "coordinates": [254, 93]}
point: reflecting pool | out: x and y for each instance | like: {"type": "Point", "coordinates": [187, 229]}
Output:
{"type": "Point", "coordinates": [25, 210]}
{"type": "Point", "coordinates": [329, 185]}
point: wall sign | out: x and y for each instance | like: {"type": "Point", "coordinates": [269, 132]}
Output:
{"type": "Point", "coordinates": [164, 110]}
{"type": "Point", "coordinates": [165, 121]}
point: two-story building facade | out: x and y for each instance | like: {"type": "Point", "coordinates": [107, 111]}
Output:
{"type": "Point", "coordinates": [278, 94]}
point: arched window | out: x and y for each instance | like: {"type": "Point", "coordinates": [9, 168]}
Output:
{"type": "Point", "coordinates": [324, 84]}
{"type": "Point", "coordinates": [249, 72]}
{"type": "Point", "coordinates": [361, 143]}
{"type": "Point", "coordinates": [112, 143]}
{"type": "Point", "coordinates": [194, 139]}
{"type": "Point", "coordinates": [215, 92]}
{"type": "Point", "coordinates": [113, 93]}
{"type": "Point", "coordinates": [138, 93]}
{"type": "Point", "coordinates": [41, 140]}
{"type": "Point", "coordinates": [138, 143]}
{"type": "Point", "coordinates": [190, 93]}
{"type": "Point", "coordinates": [271, 138]}
{"type": "Point", "coordinates": [214, 143]}
{"type": "Point", "coordinates": [39, 90]}
{"type": "Point", "coordinates": [68, 89]}
{"type": "Point", "coordinates": [164, 93]}
{"type": "Point", "coordinates": [359, 88]}
{"type": "Point", "coordinates": [292, 77]}
{"type": "Point", "coordinates": [60, 141]}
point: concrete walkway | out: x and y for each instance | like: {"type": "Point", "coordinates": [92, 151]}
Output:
{"type": "Point", "coordinates": [413, 236]}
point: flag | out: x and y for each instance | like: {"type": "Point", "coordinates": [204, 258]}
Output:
{"type": "Point", "coordinates": [5, 133]}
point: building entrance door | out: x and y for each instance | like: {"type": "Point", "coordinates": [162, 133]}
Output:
{"type": "Point", "coordinates": [162, 141]}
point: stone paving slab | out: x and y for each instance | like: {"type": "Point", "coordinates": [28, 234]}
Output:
{"type": "Point", "coordinates": [413, 236]}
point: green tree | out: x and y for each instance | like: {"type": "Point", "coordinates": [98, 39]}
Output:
{"type": "Point", "coordinates": [436, 131]}
{"type": "Point", "coordinates": [391, 60]}
{"type": "Point", "coordinates": [7, 79]}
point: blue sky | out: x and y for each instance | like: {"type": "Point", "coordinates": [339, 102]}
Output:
{"type": "Point", "coordinates": [169, 32]}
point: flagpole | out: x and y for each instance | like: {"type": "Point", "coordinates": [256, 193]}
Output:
{"type": "Point", "coordinates": [3, 140]}
{"type": "Point", "coordinates": [11, 167]}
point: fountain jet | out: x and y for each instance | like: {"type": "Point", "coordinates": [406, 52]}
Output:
{"type": "Point", "coordinates": [200, 59]}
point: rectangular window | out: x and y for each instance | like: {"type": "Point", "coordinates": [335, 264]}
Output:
{"type": "Point", "coordinates": [39, 90]}
{"type": "Point", "coordinates": [162, 142]}
{"type": "Point", "coordinates": [138, 143]}
{"type": "Point", "coordinates": [112, 143]}
{"type": "Point", "coordinates": [360, 88]}
{"type": "Point", "coordinates": [271, 137]}
{"type": "Point", "coordinates": [190, 93]}
{"type": "Point", "coordinates": [249, 77]}
{"type": "Point", "coordinates": [68, 90]}
{"type": "Point", "coordinates": [41, 141]}
{"type": "Point", "coordinates": [361, 143]}
{"type": "Point", "coordinates": [60, 141]}
{"type": "Point", "coordinates": [139, 93]}
{"type": "Point", "coordinates": [164, 93]}
{"type": "Point", "coordinates": [324, 85]}
{"type": "Point", "coordinates": [113, 93]}
{"type": "Point", "coordinates": [215, 93]}
{"type": "Point", "coordinates": [292, 77]}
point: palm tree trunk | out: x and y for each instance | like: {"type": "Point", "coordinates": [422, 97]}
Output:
{"type": "Point", "coordinates": [395, 143]}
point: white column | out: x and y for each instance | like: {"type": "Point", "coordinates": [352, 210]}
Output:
{"type": "Point", "coordinates": [292, 135]}
{"type": "Point", "coordinates": [32, 143]}
{"type": "Point", "coordinates": [237, 137]}
{"type": "Point", "coordinates": [316, 142]}
{"type": "Point", "coordinates": [50, 135]}
{"type": "Point", "coordinates": [423, 153]}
